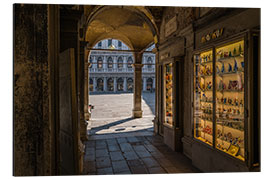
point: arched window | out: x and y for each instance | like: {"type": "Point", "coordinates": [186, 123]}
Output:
{"type": "Point", "coordinates": [110, 63]}
{"type": "Point", "coordinates": [99, 84]}
{"type": "Point", "coordinates": [110, 84]}
{"type": "Point", "coordinates": [120, 63]}
{"type": "Point", "coordinates": [149, 62]}
{"type": "Point", "coordinates": [91, 84]}
{"type": "Point", "coordinates": [149, 84]}
{"type": "Point", "coordinates": [130, 84]}
{"type": "Point", "coordinates": [91, 61]}
{"type": "Point", "coordinates": [120, 84]}
{"type": "Point", "coordinates": [99, 45]}
{"type": "Point", "coordinates": [130, 61]}
{"type": "Point", "coordinates": [99, 63]}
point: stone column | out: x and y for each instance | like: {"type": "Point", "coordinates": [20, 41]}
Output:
{"type": "Point", "coordinates": [154, 83]}
{"type": "Point", "coordinates": [125, 84]}
{"type": "Point", "coordinates": [114, 84]}
{"type": "Point", "coordinates": [144, 84]}
{"type": "Point", "coordinates": [105, 84]}
{"type": "Point", "coordinates": [105, 65]}
{"type": "Point", "coordinates": [115, 62]}
{"type": "Point", "coordinates": [94, 84]}
{"type": "Point", "coordinates": [125, 63]}
{"type": "Point", "coordinates": [137, 106]}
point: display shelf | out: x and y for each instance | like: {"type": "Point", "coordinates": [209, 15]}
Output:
{"type": "Point", "coordinates": [203, 93]}
{"type": "Point", "coordinates": [230, 90]}
{"type": "Point", "coordinates": [230, 58]}
{"type": "Point", "coordinates": [230, 73]}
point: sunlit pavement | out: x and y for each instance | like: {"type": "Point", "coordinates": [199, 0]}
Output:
{"type": "Point", "coordinates": [119, 144]}
{"type": "Point", "coordinates": [112, 116]}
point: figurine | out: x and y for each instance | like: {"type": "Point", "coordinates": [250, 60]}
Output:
{"type": "Point", "coordinates": [240, 85]}
{"type": "Point", "coordinates": [230, 68]}
{"type": "Point", "coordinates": [222, 55]}
{"type": "Point", "coordinates": [242, 64]}
{"type": "Point", "coordinates": [222, 68]}
{"type": "Point", "coordinates": [230, 54]}
{"type": "Point", "coordinates": [235, 68]}
{"type": "Point", "coordinates": [240, 49]}
{"type": "Point", "coordinates": [209, 86]}
{"type": "Point", "coordinates": [234, 52]}
{"type": "Point", "coordinates": [226, 54]}
{"type": "Point", "coordinates": [220, 85]}
{"type": "Point", "coordinates": [218, 70]}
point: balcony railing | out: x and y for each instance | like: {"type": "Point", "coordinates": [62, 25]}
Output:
{"type": "Point", "coordinates": [102, 70]}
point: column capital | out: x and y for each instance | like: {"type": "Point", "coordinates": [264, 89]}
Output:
{"type": "Point", "coordinates": [137, 66]}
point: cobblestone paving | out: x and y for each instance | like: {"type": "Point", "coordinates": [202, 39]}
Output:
{"type": "Point", "coordinates": [133, 155]}
{"type": "Point", "coordinates": [119, 144]}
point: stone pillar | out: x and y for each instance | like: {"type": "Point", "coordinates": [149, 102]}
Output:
{"type": "Point", "coordinates": [137, 106]}
{"type": "Point", "coordinates": [154, 83]}
{"type": "Point", "coordinates": [105, 65]}
{"type": "Point", "coordinates": [115, 62]}
{"type": "Point", "coordinates": [94, 84]}
{"type": "Point", "coordinates": [105, 84]}
{"type": "Point", "coordinates": [125, 84]}
{"type": "Point", "coordinates": [144, 83]}
{"type": "Point", "coordinates": [125, 62]}
{"type": "Point", "coordinates": [114, 84]}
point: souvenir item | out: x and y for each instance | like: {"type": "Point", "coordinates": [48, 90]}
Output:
{"type": "Point", "coordinates": [218, 70]}
{"type": "Point", "coordinates": [230, 54]}
{"type": "Point", "coordinates": [234, 52]}
{"type": "Point", "coordinates": [222, 68]}
{"type": "Point", "coordinates": [226, 54]}
{"type": "Point", "coordinates": [240, 49]}
{"type": "Point", "coordinates": [229, 68]}
{"type": "Point", "coordinates": [235, 68]}
{"type": "Point", "coordinates": [242, 64]}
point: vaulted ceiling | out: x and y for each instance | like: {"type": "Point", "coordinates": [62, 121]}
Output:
{"type": "Point", "coordinates": [134, 25]}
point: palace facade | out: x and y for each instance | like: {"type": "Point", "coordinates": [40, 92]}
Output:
{"type": "Point", "coordinates": [112, 71]}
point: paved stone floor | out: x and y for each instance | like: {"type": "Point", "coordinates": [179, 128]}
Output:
{"type": "Point", "coordinates": [111, 116]}
{"type": "Point", "coordinates": [119, 144]}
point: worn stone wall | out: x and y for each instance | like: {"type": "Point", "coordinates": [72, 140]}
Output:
{"type": "Point", "coordinates": [31, 102]}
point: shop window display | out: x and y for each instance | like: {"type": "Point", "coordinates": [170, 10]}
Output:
{"type": "Point", "coordinates": [203, 97]}
{"type": "Point", "coordinates": [230, 99]}
{"type": "Point", "coordinates": [225, 115]}
{"type": "Point", "coordinates": [168, 94]}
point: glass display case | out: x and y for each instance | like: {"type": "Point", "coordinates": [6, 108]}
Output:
{"type": "Point", "coordinates": [203, 96]}
{"type": "Point", "coordinates": [168, 90]}
{"type": "Point", "coordinates": [219, 108]}
{"type": "Point", "coordinates": [229, 95]}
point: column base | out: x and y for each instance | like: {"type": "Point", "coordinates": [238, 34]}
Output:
{"type": "Point", "coordinates": [137, 113]}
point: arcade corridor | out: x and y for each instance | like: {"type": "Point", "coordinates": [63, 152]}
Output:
{"type": "Point", "coordinates": [207, 90]}
{"type": "Point", "coordinates": [119, 144]}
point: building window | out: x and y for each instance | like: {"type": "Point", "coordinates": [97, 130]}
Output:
{"type": "Point", "coordinates": [99, 63]}
{"type": "Point", "coordinates": [119, 44]}
{"type": "Point", "coordinates": [130, 84]}
{"type": "Point", "coordinates": [99, 45]}
{"type": "Point", "coordinates": [120, 84]}
{"type": "Point", "coordinates": [91, 84]}
{"type": "Point", "coordinates": [149, 62]}
{"type": "Point", "coordinates": [99, 84]}
{"type": "Point", "coordinates": [149, 84]}
{"type": "Point", "coordinates": [110, 84]}
{"type": "Point", "coordinates": [120, 63]}
{"type": "Point", "coordinates": [130, 61]}
{"type": "Point", "coordinates": [109, 42]}
{"type": "Point", "coordinates": [110, 63]}
{"type": "Point", "coordinates": [91, 61]}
